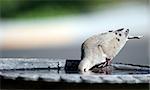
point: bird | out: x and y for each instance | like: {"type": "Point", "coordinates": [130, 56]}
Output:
{"type": "Point", "coordinates": [100, 49]}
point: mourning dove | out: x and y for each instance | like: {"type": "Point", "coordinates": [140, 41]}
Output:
{"type": "Point", "coordinates": [100, 49]}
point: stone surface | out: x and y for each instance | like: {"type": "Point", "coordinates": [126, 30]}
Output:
{"type": "Point", "coordinates": [50, 77]}
{"type": "Point", "coordinates": [71, 78]}
{"type": "Point", "coordinates": [111, 79]}
{"type": "Point", "coordinates": [129, 79]}
{"type": "Point", "coordinates": [52, 70]}
{"type": "Point", "coordinates": [30, 63]}
{"type": "Point", "coordinates": [91, 79]}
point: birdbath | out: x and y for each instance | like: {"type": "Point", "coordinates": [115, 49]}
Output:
{"type": "Point", "coordinates": [64, 73]}
{"type": "Point", "coordinates": [62, 70]}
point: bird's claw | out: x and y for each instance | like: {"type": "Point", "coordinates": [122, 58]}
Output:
{"type": "Point", "coordinates": [106, 63]}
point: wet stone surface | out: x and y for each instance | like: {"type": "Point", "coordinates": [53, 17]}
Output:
{"type": "Point", "coordinates": [60, 70]}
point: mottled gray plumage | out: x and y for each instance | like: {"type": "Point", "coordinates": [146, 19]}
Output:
{"type": "Point", "coordinates": [102, 47]}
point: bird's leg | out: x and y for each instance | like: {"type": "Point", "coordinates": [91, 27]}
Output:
{"type": "Point", "coordinates": [108, 60]}
{"type": "Point", "coordinates": [101, 65]}
{"type": "Point", "coordinates": [106, 63]}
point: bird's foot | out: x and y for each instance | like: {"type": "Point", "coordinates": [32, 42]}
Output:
{"type": "Point", "coordinates": [106, 63]}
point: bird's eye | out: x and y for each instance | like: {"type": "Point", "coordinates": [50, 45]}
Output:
{"type": "Point", "coordinates": [116, 33]}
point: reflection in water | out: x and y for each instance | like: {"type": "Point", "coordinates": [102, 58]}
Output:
{"type": "Point", "coordinates": [105, 70]}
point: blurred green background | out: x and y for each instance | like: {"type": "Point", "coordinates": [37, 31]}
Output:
{"type": "Point", "coordinates": [49, 8]}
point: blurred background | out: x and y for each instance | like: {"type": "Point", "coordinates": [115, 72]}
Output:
{"type": "Point", "coordinates": [57, 28]}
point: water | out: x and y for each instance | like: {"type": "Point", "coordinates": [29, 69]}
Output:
{"type": "Point", "coordinates": [106, 71]}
